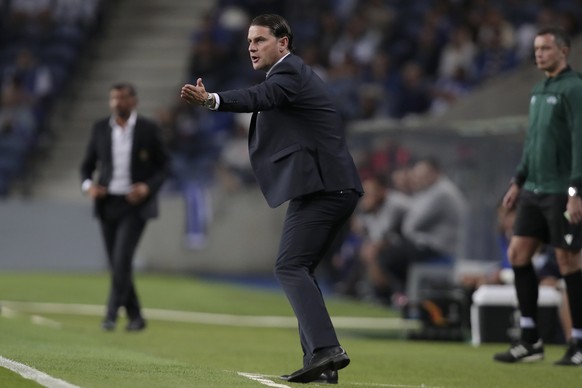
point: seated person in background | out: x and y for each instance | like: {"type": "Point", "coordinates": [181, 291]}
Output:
{"type": "Point", "coordinates": [430, 230]}
{"type": "Point", "coordinates": [378, 218]}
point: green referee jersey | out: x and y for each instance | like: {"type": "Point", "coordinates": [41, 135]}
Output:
{"type": "Point", "coordinates": [552, 154]}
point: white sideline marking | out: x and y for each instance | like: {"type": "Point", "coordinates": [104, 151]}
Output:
{"type": "Point", "coordinates": [262, 379]}
{"type": "Point", "coordinates": [369, 323]}
{"type": "Point", "coordinates": [38, 320]}
{"type": "Point", "coordinates": [35, 375]}
{"type": "Point", "coordinates": [393, 385]}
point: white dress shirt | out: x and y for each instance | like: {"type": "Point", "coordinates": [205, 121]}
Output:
{"type": "Point", "coordinates": [121, 146]}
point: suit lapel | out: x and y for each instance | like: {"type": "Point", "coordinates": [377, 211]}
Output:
{"type": "Point", "coordinates": [136, 142]}
{"type": "Point", "coordinates": [252, 140]}
{"type": "Point", "coordinates": [108, 144]}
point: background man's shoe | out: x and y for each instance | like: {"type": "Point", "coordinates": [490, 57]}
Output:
{"type": "Point", "coordinates": [329, 376]}
{"type": "Point", "coordinates": [522, 352]}
{"type": "Point", "coordinates": [334, 357]}
{"type": "Point", "coordinates": [573, 356]}
{"type": "Point", "coordinates": [136, 324]}
{"type": "Point", "coordinates": [108, 325]}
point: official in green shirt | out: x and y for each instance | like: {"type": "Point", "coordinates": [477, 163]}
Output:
{"type": "Point", "coordinates": [546, 191]}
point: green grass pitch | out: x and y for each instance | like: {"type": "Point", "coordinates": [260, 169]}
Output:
{"type": "Point", "coordinates": [71, 346]}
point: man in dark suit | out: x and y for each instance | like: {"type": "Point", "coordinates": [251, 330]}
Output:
{"type": "Point", "coordinates": [128, 151]}
{"type": "Point", "coordinates": [298, 152]}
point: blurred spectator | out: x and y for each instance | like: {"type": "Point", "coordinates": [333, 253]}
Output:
{"type": "Point", "coordinates": [196, 144]}
{"type": "Point", "coordinates": [16, 113]}
{"type": "Point", "coordinates": [401, 180]}
{"type": "Point", "coordinates": [380, 15]}
{"type": "Point", "coordinates": [343, 85]}
{"type": "Point", "coordinates": [459, 52]}
{"type": "Point", "coordinates": [427, 49]}
{"type": "Point", "coordinates": [449, 89]}
{"type": "Point", "coordinates": [377, 221]}
{"type": "Point", "coordinates": [209, 52]}
{"type": "Point", "coordinates": [494, 58]}
{"type": "Point", "coordinates": [414, 92]}
{"type": "Point", "coordinates": [77, 13]}
{"type": "Point", "coordinates": [430, 230]}
{"type": "Point", "coordinates": [373, 102]}
{"type": "Point", "coordinates": [29, 17]}
{"type": "Point", "coordinates": [329, 31]}
{"type": "Point", "coordinates": [35, 77]}
{"type": "Point", "coordinates": [495, 27]}
{"type": "Point", "coordinates": [357, 41]}
{"type": "Point", "coordinates": [380, 73]}
{"type": "Point", "coordinates": [311, 56]}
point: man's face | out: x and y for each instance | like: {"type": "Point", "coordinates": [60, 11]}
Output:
{"type": "Point", "coordinates": [264, 48]}
{"type": "Point", "coordinates": [121, 102]}
{"type": "Point", "coordinates": [549, 56]}
{"type": "Point", "coordinates": [374, 197]}
{"type": "Point", "coordinates": [423, 176]}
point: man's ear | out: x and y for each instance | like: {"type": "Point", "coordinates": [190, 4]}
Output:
{"type": "Point", "coordinates": [283, 43]}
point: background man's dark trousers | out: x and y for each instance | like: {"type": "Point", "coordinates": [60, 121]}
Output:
{"type": "Point", "coordinates": [122, 226]}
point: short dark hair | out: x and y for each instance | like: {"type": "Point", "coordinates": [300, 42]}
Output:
{"type": "Point", "coordinates": [380, 178]}
{"type": "Point", "coordinates": [278, 26]}
{"type": "Point", "coordinates": [432, 162]}
{"type": "Point", "coordinates": [560, 35]}
{"type": "Point", "coordinates": [125, 86]}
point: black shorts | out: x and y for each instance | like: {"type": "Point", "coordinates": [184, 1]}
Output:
{"type": "Point", "coordinates": [542, 216]}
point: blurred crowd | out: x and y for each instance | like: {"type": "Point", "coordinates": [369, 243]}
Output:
{"type": "Point", "coordinates": [41, 42]}
{"type": "Point", "coordinates": [385, 58]}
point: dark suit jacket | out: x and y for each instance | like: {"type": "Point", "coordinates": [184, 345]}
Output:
{"type": "Point", "coordinates": [149, 160]}
{"type": "Point", "coordinates": [296, 140]}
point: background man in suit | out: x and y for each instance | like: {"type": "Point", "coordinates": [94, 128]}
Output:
{"type": "Point", "coordinates": [132, 167]}
{"type": "Point", "coordinates": [298, 152]}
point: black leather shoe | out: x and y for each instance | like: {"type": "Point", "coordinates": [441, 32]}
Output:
{"type": "Point", "coordinates": [136, 324]}
{"type": "Point", "coordinates": [329, 376]}
{"type": "Point", "coordinates": [334, 358]}
{"type": "Point", "coordinates": [108, 325]}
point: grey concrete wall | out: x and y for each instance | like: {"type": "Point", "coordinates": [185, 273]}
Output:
{"type": "Point", "coordinates": [62, 234]}
{"type": "Point", "coordinates": [242, 238]}
{"type": "Point", "coordinates": [49, 235]}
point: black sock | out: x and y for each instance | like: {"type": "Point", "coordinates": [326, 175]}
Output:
{"type": "Point", "coordinates": [574, 291]}
{"type": "Point", "coordinates": [526, 287]}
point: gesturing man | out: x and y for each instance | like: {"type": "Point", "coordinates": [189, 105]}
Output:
{"type": "Point", "coordinates": [298, 152]}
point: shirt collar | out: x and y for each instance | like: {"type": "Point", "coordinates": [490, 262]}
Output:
{"type": "Point", "coordinates": [276, 63]}
{"type": "Point", "coordinates": [130, 121]}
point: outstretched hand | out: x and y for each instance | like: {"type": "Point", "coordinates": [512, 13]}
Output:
{"type": "Point", "coordinates": [194, 94]}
